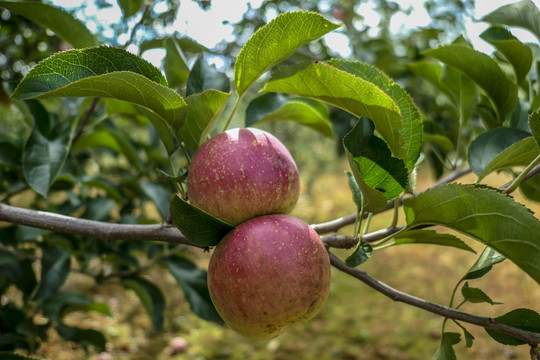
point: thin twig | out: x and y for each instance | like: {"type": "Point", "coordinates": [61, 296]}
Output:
{"type": "Point", "coordinates": [87, 117]}
{"type": "Point", "coordinates": [529, 337]}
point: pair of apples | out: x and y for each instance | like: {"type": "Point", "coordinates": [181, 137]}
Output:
{"type": "Point", "coordinates": [272, 270]}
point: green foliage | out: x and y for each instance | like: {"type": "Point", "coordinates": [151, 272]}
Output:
{"type": "Point", "coordinates": [62, 23]}
{"type": "Point", "coordinates": [275, 42]}
{"type": "Point", "coordinates": [525, 319]}
{"type": "Point", "coordinates": [107, 160]}
{"type": "Point", "coordinates": [200, 227]}
{"type": "Point", "coordinates": [484, 214]}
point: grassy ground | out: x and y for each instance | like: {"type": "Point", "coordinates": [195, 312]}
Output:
{"type": "Point", "coordinates": [356, 323]}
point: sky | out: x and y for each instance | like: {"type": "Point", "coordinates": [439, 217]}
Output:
{"type": "Point", "coordinates": [195, 23]}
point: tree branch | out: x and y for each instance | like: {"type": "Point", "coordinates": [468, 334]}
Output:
{"type": "Point", "coordinates": [529, 337]}
{"type": "Point", "coordinates": [336, 224]}
{"type": "Point", "coordinates": [96, 229]}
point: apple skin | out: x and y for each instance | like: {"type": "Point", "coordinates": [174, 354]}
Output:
{"type": "Point", "coordinates": [269, 274]}
{"type": "Point", "coordinates": [243, 173]}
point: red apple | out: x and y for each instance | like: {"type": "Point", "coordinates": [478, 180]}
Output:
{"type": "Point", "coordinates": [269, 274]}
{"type": "Point", "coordinates": [243, 173]}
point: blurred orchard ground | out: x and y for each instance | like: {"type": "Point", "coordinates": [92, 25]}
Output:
{"type": "Point", "coordinates": [356, 323]}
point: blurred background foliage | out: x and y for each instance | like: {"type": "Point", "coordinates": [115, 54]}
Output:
{"type": "Point", "coordinates": [118, 171]}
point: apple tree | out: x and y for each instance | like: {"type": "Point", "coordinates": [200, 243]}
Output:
{"type": "Point", "coordinates": [86, 208]}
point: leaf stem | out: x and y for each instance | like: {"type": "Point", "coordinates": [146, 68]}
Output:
{"type": "Point", "coordinates": [233, 112]}
{"type": "Point", "coordinates": [514, 185]}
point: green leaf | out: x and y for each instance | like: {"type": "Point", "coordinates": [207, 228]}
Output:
{"type": "Point", "coordinates": [193, 282]}
{"type": "Point", "coordinates": [55, 267]}
{"type": "Point", "coordinates": [151, 297]}
{"type": "Point", "coordinates": [130, 7]}
{"type": "Point", "coordinates": [45, 151]}
{"type": "Point", "coordinates": [62, 23]}
{"type": "Point", "coordinates": [458, 89]}
{"type": "Point", "coordinates": [163, 129]}
{"type": "Point", "coordinates": [483, 265]}
{"type": "Point", "coordinates": [359, 256]}
{"type": "Point", "coordinates": [522, 14]}
{"type": "Point", "coordinates": [10, 155]}
{"type": "Point", "coordinates": [380, 176]}
{"type": "Point", "coordinates": [484, 71]}
{"type": "Point", "coordinates": [430, 237]}
{"type": "Point", "coordinates": [13, 356]}
{"type": "Point", "coordinates": [175, 63]}
{"type": "Point", "coordinates": [203, 110]}
{"type": "Point", "coordinates": [469, 338]}
{"type": "Point", "coordinates": [277, 107]}
{"type": "Point", "coordinates": [534, 125]}
{"type": "Point", "coordinates": [518, 54]}
{"type": "Point", "coordinates": [204, 76]}
{"type": "Point", "coordinates": [355, 189]}
{"type": "Point", "coordinates": [520, 153]}
{"type": "Point", "coordinates": [359, 97]}
{"type": "Point", "coordinates": [489, 145]}
{"type": "Point", "coordinates": [104, 72]}
{"type": "Point", "coordinates": [525, 319]}
{"type": "Point", "coordinates": [64, 302]}
{"type": "Point", "coordinates": [159, 195]}
{"type": "Point", "coordinates": [531, 188]}
{"type": "Point", "coordinates": [112, 140]}
{"type": "Point", "coordinates": [446, 351]}
{"type": "Point", "coordinates": [412, 122]}
{"type": "Point", "coordinates": [199, 227]}
{"type": "Point", "coordinates": [486, 215]}
{"type": "Point", "coordinates": [276, 41]}
{"type": "Point", "coordinates": [83, 337]}
{"type": "Point", "coordinates": [475, 295]}
{"type": "Point", "coordinates": [18, 272]}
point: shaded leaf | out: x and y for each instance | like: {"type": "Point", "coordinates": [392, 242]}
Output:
{"type": "Point", "coordinates": [521, 153]}
{"type": "Point", "coordinates": [525, 319]}
{"type": "Point", "coordinates": [518, 54]}
{"type": "Point", "coordinates": [475, 295]}
{"type": "Point", "coordinates": [380, 176]}
{"type": "Point", "coordinates": [534, 125]}
{"type": "Point", "coordinates": [483, 265]}
{"type": "Point", "coordinates": [17, 272]}
{"type": "Point", "coordinates": [202, 112]}
{"type": "Point", "coordinates": [10, 155]}
{"type": "Point", "coordinates": [55, 267]}
{"type": "Point", "coordinates": [484, 214]}
{"type": "Point", "coordinates": [112, 140]}
{"type": "Point", "coordinates": [45, 151]}
{"type": "Point", "coordinates": [204, 76]}
{"type": "Point", "coordinates": [198, 226]}
{"type": "Point", "coordinates": [62, 23]}
{"type": "Point", "coordinates": [355, 189]}
{"type": "Point", "coordinates": [151, 297]}
{"type": "Point", "coordinates": [531, 188]}
{"type": "Point", "coordinates": [430, 237]}
{"type": "Point", "coordinates": [193, 282]}
{"type": "Point", "coordinates": [446, 351]}
{"type": "Point", "coordinates": [159, 195]}
{"type": "Point", "coordinates": [276, 41]}
{"type": "Point", "coordinates": [346, 91]}
{"type": "Point", "coordinates": [360, 255]}
{"type": "Point", "coordinates": [412, 122]}
{"type": "Point", "coordinates": [522, 14]}
{"type": "Point", "coordinates": [84, 337]}
{"type": "Point", "coordinates": [484, 71]}
{"type": "Point", "coordinates": [13, 356]}
{"type": "Point", "coordinates": [64, 302]}
{"type": "Point", "coordinates": [130, 7]}
{"type": "Point", "coordinates": [175, 63]}
{"type": "Point", "coordinates": [277, 107]}
{"type": "Point", "coordinates": [489, 145]}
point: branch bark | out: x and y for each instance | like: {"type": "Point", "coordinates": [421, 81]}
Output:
{"type": "Point", "coordinates": [531, 338]}
{"type": "Point", "coordinates": [96, 229]}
